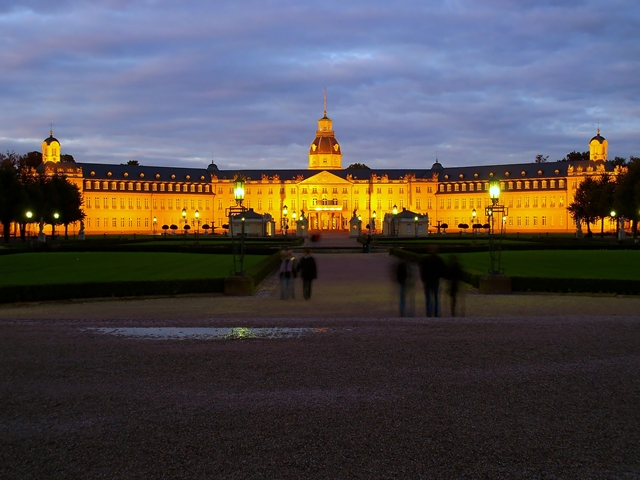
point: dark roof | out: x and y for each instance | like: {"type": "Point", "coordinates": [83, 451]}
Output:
{"type": "Point", "coordinates": [51, 139]}
{"type": "Point", "coordinates": [514, 171]}
{"type": "Point", "coordinates": [325, 145]}
{"type": "Point", "coordinates": [250, 215]}
{"type": "Point", "coordinates": [165, 174]}
{"type": "Point", "coordinates": [598, 137]}
{"type": "Point", "coordinates": [409, 214]}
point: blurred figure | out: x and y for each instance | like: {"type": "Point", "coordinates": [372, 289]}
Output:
{"type": "Point", "coordinates": [432, 268]}
{"type": "Point", "coordinates": [454, 274]}
{"type": "Point", "coordinates": [308, 271]}
{"type": "Point", "coordinates": [287, 285]}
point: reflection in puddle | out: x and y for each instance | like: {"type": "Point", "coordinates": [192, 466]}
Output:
{"type": "Point", "coordinates": [184, 333]}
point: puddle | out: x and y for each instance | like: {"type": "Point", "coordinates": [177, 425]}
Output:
{"type": "Point", "coordinates": [200, 333]}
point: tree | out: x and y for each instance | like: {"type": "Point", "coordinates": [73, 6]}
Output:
{"type": "Point", "coordinates": [135, 163]}
{"type": "Point", "coordinates": [67, 202]}
{"type": "Point", "coordinates": [626, 198]}
{"type": "Point", "coordinates": [583, 206]}
{"type": "Point", "coordinates": [356, 166]}
{"type": "Point", "coordinates": [575, 156]}
{"type": "Point", "coordinates": [11, 197]}
{"type": "Point", "coordinates": [67, 158]}
{"type": "Point", "coordinates": [619, 161]}
{"type": "Point", "coordinates": [541, 158]}
{"type": "Point", "coordinates": [603, 198]}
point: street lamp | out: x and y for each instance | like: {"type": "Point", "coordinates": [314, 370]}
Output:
{"type": "Point", "coordinates": [494, 249]}
{"type": "Point", "coordinates": [494, 191]}
{"type": "Point", "coordinates": [234, 213]}
{"type": "Point", "coordinates": [416, 226]}
{"type": "Point", "coordinates": [155, 222]}
{"type": "Point", "coordinates": [615, 219]}
{"type": "Point", "coordinates": [238, 190]}
{"type": "Point", "coordinates": [294, 216]}
{"type": "Point", "coordinates": [198, 221]}
{"type": "Point", "coordinates": [474, 214]}
{"type": "Point", "coordinates": [285, 226]}
{"type": "Point", "coordinates": [56, 216]}
{"type": "Point", "coordinates": [374, 215]}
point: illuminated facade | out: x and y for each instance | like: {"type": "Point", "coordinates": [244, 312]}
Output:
{"type": "Point", "coordinates": [139, 199]}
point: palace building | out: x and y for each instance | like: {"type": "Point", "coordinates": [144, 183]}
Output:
{"type": "Point", "coordinates": [141, 199]}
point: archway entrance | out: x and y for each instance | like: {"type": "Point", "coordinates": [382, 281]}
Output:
{"type": "Point", "coordinates": [328, 221]}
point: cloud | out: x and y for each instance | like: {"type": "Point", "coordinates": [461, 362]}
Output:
{"type": "Point", "coordinates": [175, 84]}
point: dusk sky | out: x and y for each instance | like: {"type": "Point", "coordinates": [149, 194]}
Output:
{"type": "Point", "coordinates": [182, 83]}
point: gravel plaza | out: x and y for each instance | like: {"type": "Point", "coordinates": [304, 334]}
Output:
{"type": "Point", "coordinates": [521, 386]}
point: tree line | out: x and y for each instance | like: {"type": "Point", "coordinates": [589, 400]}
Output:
{"type": "Point", "coordinates": [23, 190]}
{"type": "Point", "coordinates": [597, 197]}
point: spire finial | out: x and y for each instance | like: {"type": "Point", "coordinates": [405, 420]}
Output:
{"type": "Point", "coordinates": [598, 126]}
{"type": "Point", "coordinates": [325, 101]}
{"type": "Point", "coordinates": [51, 130]}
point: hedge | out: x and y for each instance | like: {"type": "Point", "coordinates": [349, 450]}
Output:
{"type": "Point", "coordinates": [68, 291]}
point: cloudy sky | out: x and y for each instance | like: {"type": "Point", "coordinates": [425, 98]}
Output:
{"type": "Point", "coordinates": [181, 83]}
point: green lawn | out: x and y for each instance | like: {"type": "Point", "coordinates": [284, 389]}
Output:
{"type": "Point", "coordinates": [43, 268]}
{"type": "Point", "coordinates": [605, 264]}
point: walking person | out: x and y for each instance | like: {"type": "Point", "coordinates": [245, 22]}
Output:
{"type": "Point", "coordinates": [431, 270]}
{"type": "Point", "coordinates": [287, 285]}
{"type": "Point", "coordinates": [308, 271]}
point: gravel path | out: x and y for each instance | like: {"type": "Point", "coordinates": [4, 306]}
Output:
{"type": "Point", "coordinates": [550, 393]}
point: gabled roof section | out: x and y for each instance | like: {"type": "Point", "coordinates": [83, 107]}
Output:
{"type": "Point", "coordinates": [325, 177]}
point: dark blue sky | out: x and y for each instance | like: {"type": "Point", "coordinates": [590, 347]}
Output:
{"type": "Point", "coordinates": [180, 83]}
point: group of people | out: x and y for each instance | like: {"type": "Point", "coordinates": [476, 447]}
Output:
{"type": "Point", "coordinates": [291, 268]}
{"type": "Point", "coordinates": [432, 269]}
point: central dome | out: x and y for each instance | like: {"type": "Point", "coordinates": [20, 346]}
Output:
{"type": "Point", "coordinates": [324, 151]}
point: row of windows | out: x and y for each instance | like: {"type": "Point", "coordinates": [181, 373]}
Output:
{"type": "Point", "coordinates": [113, 222]}
{"type": "Point", "coordinates": [518, 203]}
{"type": "Point", "coordinates": [138, 202]}
{"type": "Point", "coordinates": [153, 187]}
{"type": "Point", "coordinates": [479, 186]}
{"type": "Point", "coordinates": [316, 190]}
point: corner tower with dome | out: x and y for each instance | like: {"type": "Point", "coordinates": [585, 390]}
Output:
{"type": "Point", "coordinates": [598, 147]}
{"type": "Point", "coordinates": [324, 152]}
{"type": "Point", "coordinates": [51, 148]}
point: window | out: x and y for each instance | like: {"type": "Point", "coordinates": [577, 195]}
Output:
{"type": "Point", "coordinates": [552, 183]}
{"type": "Point", "coordinates": [429, 206]}
{"type": "Point", "coordinates": [471, 187]}
{"type": "Point", "coordinates": [146, 203]}
{"type": "Point", "coordinates": [206, 204]}
{"type": "Point", "coordinates": [518, 202]}
{"type": "Point", "coordinates": [259, 191]}
{"type": "Point", "coordinates": [304, 191]}
{"type": "Point", "coordinates": [114, 222]}
{"type": "Point", "coordinates": [526, 221]}
{"type": "Point", "coordinates": [456, 204]}
{"type": "Point", "coordinates": [270, 204]}
{"type": "Point", "coordinates": [379, 204]}
{"type": "Point", "coordinates": [464, 187]}
{"type": "Point", "coordinates": [105, 202]}
{"type": "Point", "coordinates": [418, 203]}
{"type": "Point", "coordinates": [463, 204]}
{"type": "Point", "coordinates": [390, 191]}
{"type": "Point", "coordinates": [456, 187]}
{"type": "Point", "coordinates": [155, 203]}
{"type": "Point", "coordinates": [543, 203]}
{"type": "Point", "coordinates": [146, 222]}
{"type": "Point", "coordinates": [442, 203]}
{"type": "Point", "coordinates": [429, 189]}
{"type": "Point", "coordinates": [441, 188]}
{"type": "Point", "coordinates": [304, 204]}
{"type": "Point", "coordinates": [544, 221]}
{"type": "Point", "coordinates": [544, 184]}
{"type": "Point", "coordinates": [88, 202]}
{"type": "Point", "coordinates": [131, 222]}
{"type": "Point", "coordinates": [449, 202]}
{"type": "Point", "coordinates": [379, 191]}
{"type": "Point", "coordinates": [510, 202]}
{"type": "Point", "coordinates": [138, 187]}
{"type": "Point", "coordinates": [560, 183]}
{"type": "Point", "coordinates": [122, 202]}
{"type": "Point", "coordinates": [259, 205]}
{"type": "Point", "coordinates": [526, 202]}
{"type": "Point", "coordinates": [390, 204]}
{"type": "Point", "coordinates": [526, 185]}
{"type": "Point", "coordinates": [138, 203]}
{"type": "Point", "coordinates": [162, 203]}
{"type": "Point", "coordinates": [146, 187]}
{"type": "Point", "coordinates": [574, 185]}
{"type": "Point", "coordinates": [137, 222]}
{"type": "Point", "coordinates": [535, 202]}
{"type": "Point", "coordinates": [401, 190]}
{"type": "Point", "coordinates": [97, 223]}
{"type": "Point", "coordinates": [561, 202]}
{"type": "Point", "coordinates": [169, 204]}
{"type": "Point", "coordinates": [122, 222]}
{"type": "Point", "coordinates": [518, 185]}
{"type": "Point", "coordinates": [114, 202]}
{"type": "Point", "coordinates": [448, 187]}
{"type": "Point", "coordinates": [535, 221]}
{"type": "Point", "coordinates": [510, 221]}
{"type": "Point", "coordinates": [535, 184]}
{"type": "Point", "coordinates": [356, 204]}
